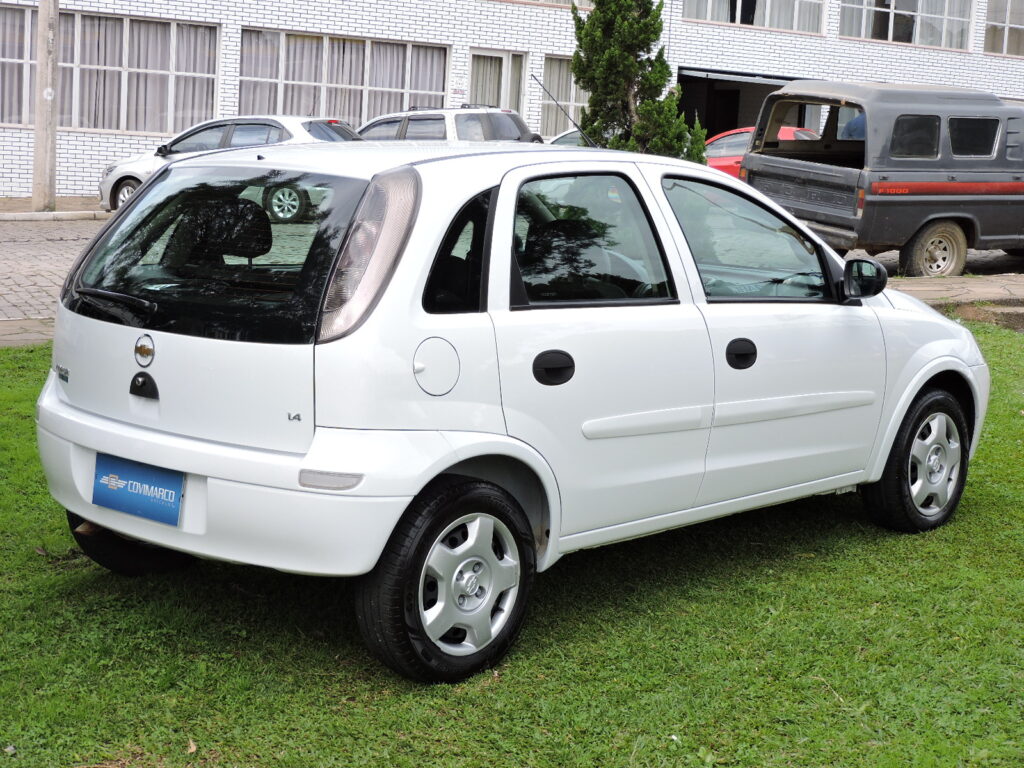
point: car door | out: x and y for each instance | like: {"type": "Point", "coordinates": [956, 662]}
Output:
{"type": "Point", "coordinates": [604, 360]}
{"type": "Point", "coordinates": [799, 376]}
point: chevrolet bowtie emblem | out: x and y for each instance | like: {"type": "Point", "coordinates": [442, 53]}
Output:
{"type": "Point", "coordinates": [144, 350]}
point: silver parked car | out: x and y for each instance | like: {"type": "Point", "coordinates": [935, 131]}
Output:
{"type": "Point", "coordinates": [121, 179]}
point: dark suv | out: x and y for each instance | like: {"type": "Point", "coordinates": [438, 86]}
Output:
{"type": "Point", "coordinates": [927, 169]}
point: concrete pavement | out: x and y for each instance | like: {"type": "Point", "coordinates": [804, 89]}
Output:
{"type": "Point", "coordinates": [35, 257]}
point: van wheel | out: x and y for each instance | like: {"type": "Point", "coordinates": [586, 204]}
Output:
{"type": "Point", "coordinates": [285, 203]}
{"type": "Point", "coordinates": [927, 467]}
{"type": "Point", "coordinates": [448, 596]}
{"type": "Point", "coordinates": [939, 249]}
{"type": "Point", "coordinates": [117, 553]}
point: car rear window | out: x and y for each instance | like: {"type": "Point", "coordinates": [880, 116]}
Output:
{"type": "Point", "coordinates": [505, 127]}
{"type": "Point", "coordinates": [199, 254]}
{"type": "Point", "coordinates": [328, 131]}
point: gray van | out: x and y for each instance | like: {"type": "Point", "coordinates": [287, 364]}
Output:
{"type": "Point", "coordinates": [929, 170]}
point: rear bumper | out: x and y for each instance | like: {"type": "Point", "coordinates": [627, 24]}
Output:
{"type": "Point", "coordinates": [238, 505]}
{"type": "Point", "coordinates": [837, 237]}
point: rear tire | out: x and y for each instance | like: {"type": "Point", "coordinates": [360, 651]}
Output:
{"type": "Point", "coordinates": [927, 467]}
{"type": "Point", "coordinates": [117, 553]}
{"type": "Point", "coordinates": [449, 594]}
{"type": "Point", "coordinates": [939, 249]}
{"type": "Point", "coordinates": [285, 203]}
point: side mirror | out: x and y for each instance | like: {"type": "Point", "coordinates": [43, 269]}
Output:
{"type": "Point", "coordinates": [163, 150]}
{"type": "Point", "coordinates": [863, 278]}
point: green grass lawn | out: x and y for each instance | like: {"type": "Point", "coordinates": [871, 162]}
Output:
{"type": "Point", "coordinates": [795, 636]}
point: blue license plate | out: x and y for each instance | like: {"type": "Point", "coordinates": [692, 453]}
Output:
{"type": "Point", "coordinates": [138, 489]}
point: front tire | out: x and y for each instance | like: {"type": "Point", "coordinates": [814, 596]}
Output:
{"type": "Point", "coordinates": [123, 191]}
{"type": "Point", "coordinates": [939, 249]}
{"type": "Point", "coordinates": [117, 553]}
{"type": "Point", "coordinates": [449, 594]}
{"type": "Point", "coordinates": [927, 467]}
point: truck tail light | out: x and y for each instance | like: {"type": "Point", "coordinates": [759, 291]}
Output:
{"type": "Point", "coordinates": [860, 203]}
{"type": "Point", "coordinates": [743, 174]}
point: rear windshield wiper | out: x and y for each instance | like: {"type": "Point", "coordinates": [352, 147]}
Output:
{"type": "Point", "coordinates": [118, 298]}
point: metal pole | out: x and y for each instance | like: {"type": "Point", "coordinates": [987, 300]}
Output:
{"type": "Point", "coordinates": [44, 162]}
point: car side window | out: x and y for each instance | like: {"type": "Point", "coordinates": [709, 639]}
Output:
{"type": "Point", "coordinates": [200, 141]}
{"type": "Point", "coordinates": [742, 250]}
{"type": "Point", "coordinates": [469, 127]}
{"type": "Point", "coordinates": [253, 134]}
{"type": "Point", "coordinates": [585, 239]}
{"type": "Point", "coordinates": [458, 270]}
{"type": "Point", "coordinates": [383, 130]}
{"type": "Point", "coordinates": [505, 128]}
{"type": "Point", "coordinates": [423, 128]}
{"type": "Point", "coordinates": [915, 136]}
{"type": "Point", "coordinates": [727, 146]}
{"type": "Point", "coordinates": [973, 136]}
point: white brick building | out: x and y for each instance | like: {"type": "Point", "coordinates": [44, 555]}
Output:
{"type": "Point", "coordinates": [133, 73]}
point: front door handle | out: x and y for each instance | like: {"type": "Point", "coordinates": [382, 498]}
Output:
{"type": "Point", "coordinates": [741, 353]}
{"type": "Point", "coordinates": [553, 367]}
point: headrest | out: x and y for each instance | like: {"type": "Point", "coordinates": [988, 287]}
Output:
{"type": "Point", "coordinates": [221, 227]}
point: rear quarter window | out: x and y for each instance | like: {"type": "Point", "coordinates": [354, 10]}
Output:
{"type": "Point", "coordinates": [973, 136]}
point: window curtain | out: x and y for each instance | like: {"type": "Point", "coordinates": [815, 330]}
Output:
{"type": "Point", "coordinates": [149, 47]}
{"type": "Point", "coordinates": [345, 61]}
{"type": "Point", "coordinates": [515, 82]}
{"type": "Point", "coordinates": [196, 49]}
{"type": "Point", "coordinates": [485, 80]}
{"type": "Point", "coordinates": [387, 70]}
{"type": "Point", "coordinates": [558, 80]}
{"type": "Point", "coordinates": [427, 68]}
{"type": "Point", "coordinates": [196, 53]}
{"type": "Point", "coordinates": [99, 97]}
{"type": "Point", "coordinates": [257, 97]}
{"type": "Point", "coordinates": [12, 74]}
{"type": "Point", "coordinates": [259, 53]}
{"type": "Point", "coordinates": [303, 62]}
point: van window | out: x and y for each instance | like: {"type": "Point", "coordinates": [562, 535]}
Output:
{"type": "Point", "coordinates": [198, 255]}
{"type": "Point", "coordinates": [973, 136]}
{"type": "Point", "coordinates": [470, 127]}
{"type": "Point", "coordinates": [424, 128]}
{"type": "Point", "coordinates": [455, 278]}
{"type": "Point", "coordinates": [382, 130]}
{"type": "Point", "coordinates": [915, 136]}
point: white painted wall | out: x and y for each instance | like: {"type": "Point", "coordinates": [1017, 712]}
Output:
{"type": "Point", "coordinates": [536, 30]}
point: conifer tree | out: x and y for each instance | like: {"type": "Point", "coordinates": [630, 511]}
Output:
{"type": "Point", "coordinates": [614, 62]}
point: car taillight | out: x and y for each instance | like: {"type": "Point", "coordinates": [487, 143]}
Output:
{"type": "Point", "coordinates": [371, 251]}
{"type": "Point", "coordinates": [860, 203]}
{"type": "Point", "coordinates": [743, 174]}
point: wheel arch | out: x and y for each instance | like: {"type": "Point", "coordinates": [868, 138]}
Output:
{"type": "Point", "coordinates": [117, 185]}
{"type": "Point", "coordinates": [949, 374]}
{"type": "Point", "coordinates": [522, 473]}
{"type": "Point", "coordinates": [966, 221]}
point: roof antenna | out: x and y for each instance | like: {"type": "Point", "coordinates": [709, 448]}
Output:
{"type": "Point", "coordinates": [590, 142]}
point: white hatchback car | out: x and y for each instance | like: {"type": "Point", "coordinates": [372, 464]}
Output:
{"type": "Point", "coordinates": [470, 361]}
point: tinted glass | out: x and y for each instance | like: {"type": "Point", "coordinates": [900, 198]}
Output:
{"type": "Point", "coordinates": [455, 278]}
{"type": "Point", "coordinates": [973, 136]}
{"type": "Point", "coordinates": [425, 128]}
{"type": "Point", "coordinates": [249, 135]}
{"type": "Point", "coordinates": [585, 239]}
{"type": "Point", "coordinates": [743, 251]}
{"type": "Point", "coordinates": [573, 139]}
{"type": "Point", "coordinates": [469, 127]}
{"type": "Point", "coordinates": [505, 128]}
{"type": "Point", "coordinates": [383, 130]}
{"type": "Point", "coordinates": [200, 141]}
{"type": "Point", "coordinates": [325, 131]}
{"type": "Point", "coordinates": [197, 254]}
{"type": "Point", "coordinates": [915, 136]}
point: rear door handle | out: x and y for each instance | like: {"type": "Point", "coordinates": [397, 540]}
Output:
{"type": "Point", "coordinates": [553, 367]}
{"type": "Point", "coordinates": [741, 353]}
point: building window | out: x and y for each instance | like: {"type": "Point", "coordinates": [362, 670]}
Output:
{"type": "Point", "coordinates": [354, 80]}
{"type": "Point", "coordinates": [940, 23]}
{"type": "Point", "coordinates": [559, 81]}
{"type": "Point", "coordinates": [114, 73]}
{"type": "Point", "coordinates": [496, 79]}
{"type": "Point", "coordinates": [1004, 29]}
{"type": "Point", "coordinates": [801, 15]}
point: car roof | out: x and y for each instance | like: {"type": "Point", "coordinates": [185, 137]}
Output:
{"type": "Point", "coordinates": [289, 121]}
{"type": "Point", "coordinates": [364, 159]}
{"type": "Point", "coordinates": [896, 93]}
